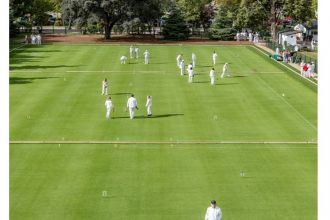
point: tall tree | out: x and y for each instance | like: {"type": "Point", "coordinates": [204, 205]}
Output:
{"type": "Point", "coordinates": [175, 27]}
{"type": "Point", "coordinates": [111, 11]}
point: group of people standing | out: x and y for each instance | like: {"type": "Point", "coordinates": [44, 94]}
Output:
{"type": "Point", "coordinates": [35, 39]}
{"type": "Point", "coordinates": [131, 105]}
{"type": "Point", "coordinates": [307, 69]}
{"type": "Point", "coordinates": [181, 64]}
{"type": "Point", "coordinates": [134, 54]}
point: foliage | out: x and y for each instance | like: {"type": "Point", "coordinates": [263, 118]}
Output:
{"type": "Point", "coordinates": [175, 27]}
{"type": "Point", "coordinates": [225, 34]}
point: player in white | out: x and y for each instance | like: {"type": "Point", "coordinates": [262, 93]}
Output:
{"type": "Point", "coordinates": [179, 59]}
{"type": "Point", "coordinates": [312, 69]}
{"type": "Point", "coordinates": [26, 39]}
{"type": "Point", "coordinates": [38, 39]}
{"type": "Point", "coordinates": [132, 106]}
{"type": "Point", "coordinates": [182, 67]}
{"type": "Point", "coordinates": [33, 39]}
{"type": "Point", "coordinates": [193, 58]}
{"type": "Point", "coordinates": [137, 51]}
{"type": "Point", "coordinates": [146, 57]}
{"type": "Point", "coordinates": [214, 57]}
{"type": "Point", "coordinates": [123, 59]}
{"type": "Point", "coordinates": [109, 107]}
{"type": "Point", "coordinates": [213, 212]}
{"type": "Point", "coordinates": [105, 85]}
{"type": "Point", "coordinates": [131, 52]}
{"type": "Point", "coordinates": [148, 105]}
{"type": "Point", "coordinates": [189, 66]}
{"type": "Point", "coordinates": [212, 76]}
{"type": "Point", "coordinates": [190, 75]}
{"type": "Point", "coordinates": [225, 70]}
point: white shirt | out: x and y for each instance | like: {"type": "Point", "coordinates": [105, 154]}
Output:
{"type": "Point", "coordinates": [131, 49]}
{"type": "Point", "coordinates": [224, 67]}
{"type": "Point", "coordinates": [178, 58]}
{"type": "Point", "coordinates": [136, 50]}
{"type": "Point", "coordinates": [146, 54]}
{"type": "Point", "coordinates": [190, 72]}
{"type": "Point", "coordinates": [212, 74]}
{"type": "Point", "coordinates": [105, 83]}
{"type": "Point", "coordinates": [149, 102]}
{"type": "Point", "coordinates": [213, 213]}
{"type": "Point", "coordinates": [131, 102]}
{"type": "Point", "coordinates": [181, 65]}
{"type": "Point", "coordinates": [214, 55]}
{"type": "Point", "coordinates": [189, 67]}
{"type": "Point", "coordinates": [108, 104]}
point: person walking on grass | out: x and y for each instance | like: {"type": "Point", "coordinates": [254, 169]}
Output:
{"type": "Point", "coordinates": [132, 106]}
{"type": "Point", "coordinates": [182, 67]}
{"type": "Point", "coordinates": [214, 57]}
{"type": "Point", "coordinates": [137, 51]}
{"type": "Point", "coordinates": [190, 74]}
{"type": "Point", "coordinates": [131, 52]}
{"type": "Point", "coordinates": [179, 59]}
{"type": "Point", "coordinates": [148, 105]}
{"type": "Point", "coordinates": [193, 58]}
{"type": "Point", "coordinates": [109, 107]}
{"type": "Point", "coordinates": [105, 85]}
{"type": "Point", "coordinates": [213, 212]}
{"type": "Point", "coordinates": [212, 76]}
{"type": "Point", "coordinates": [225, 70]}
{"type": "Point", "coordinates": [146, 57]}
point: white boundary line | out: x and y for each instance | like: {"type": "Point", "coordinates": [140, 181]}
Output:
{"type": "Point", "coordinates": [111, 71]}
{"type": "Point", "coordinates": [284, 65]}
{"type": "Point", "coordinates": [169, 142]}
{"type": "Point", "coordinates": [17, 48]}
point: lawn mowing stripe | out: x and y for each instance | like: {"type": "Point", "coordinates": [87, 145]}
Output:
{"type": "Point", "coordinates": [285, 66]}
{"type": "Point", "coordinates": [17, 48]}
{"type": "Point", "coordinates": [163, 142]}
{"type": "Point", "coordinates": [281, 97]}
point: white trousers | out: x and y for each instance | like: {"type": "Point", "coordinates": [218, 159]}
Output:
{"type": "Point", "coordinates": [194, 63]}
{"type": "Point", "coordinates": [212, 80]}
{"type": "Point", "coordinates": [190, 79]}
{"type": "Point", "coordinates": [104, 90]}
{"type": "Point", "coordinates": [181, 71]}
{"type": "Point", "coordinates": [213, 61]}
{"type": "Point", "coordinates": [149, 110]}
{"type": "Point", "coordinates": [108, 113]}
{"type": "Point", "coordinates": [131, 113]}
{"type": "Point", "coordinates": [123, 62]}
{"type": "Point", "coordinates": [146, 60]}
{"type": "Point", "coordinates": [224, 73]}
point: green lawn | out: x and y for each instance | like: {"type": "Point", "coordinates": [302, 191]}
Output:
{"type": "Point", "coordinates": [55, 95]}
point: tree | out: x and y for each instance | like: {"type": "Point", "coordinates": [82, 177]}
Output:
{"type": "Point", "coordinates": [39, 9]}
{"type": "Point", "coordinates": [111, 11]}
{"type": "Point", "coordinates": [175, 27]}
{"type": "Point", "coordinates": [197, 12]}
{"type": "Point", "coordinates": [251, 14]}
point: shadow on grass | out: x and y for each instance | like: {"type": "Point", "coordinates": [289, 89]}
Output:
{"type": "Point", "coordinates": [26, 80]}
{"type": "Point", "coordinates": [153, 116]}
{"type": "Point", "coordinates": [29, 67]}
{"type": "Point", "coordinates": [121, 93]}
{"type": "Point", "coordinates": [225, 84]}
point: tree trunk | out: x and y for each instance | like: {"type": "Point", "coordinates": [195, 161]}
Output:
{"type": "Point", "coordinates": [273, 21]}
{"type": "Point", "coordinates": [108, 28]}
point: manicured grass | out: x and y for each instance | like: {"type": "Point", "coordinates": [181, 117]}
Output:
{"type": "Point", "coordinates": [55, 95]}
{"type": "Point", "coordinates": [162, 182]}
